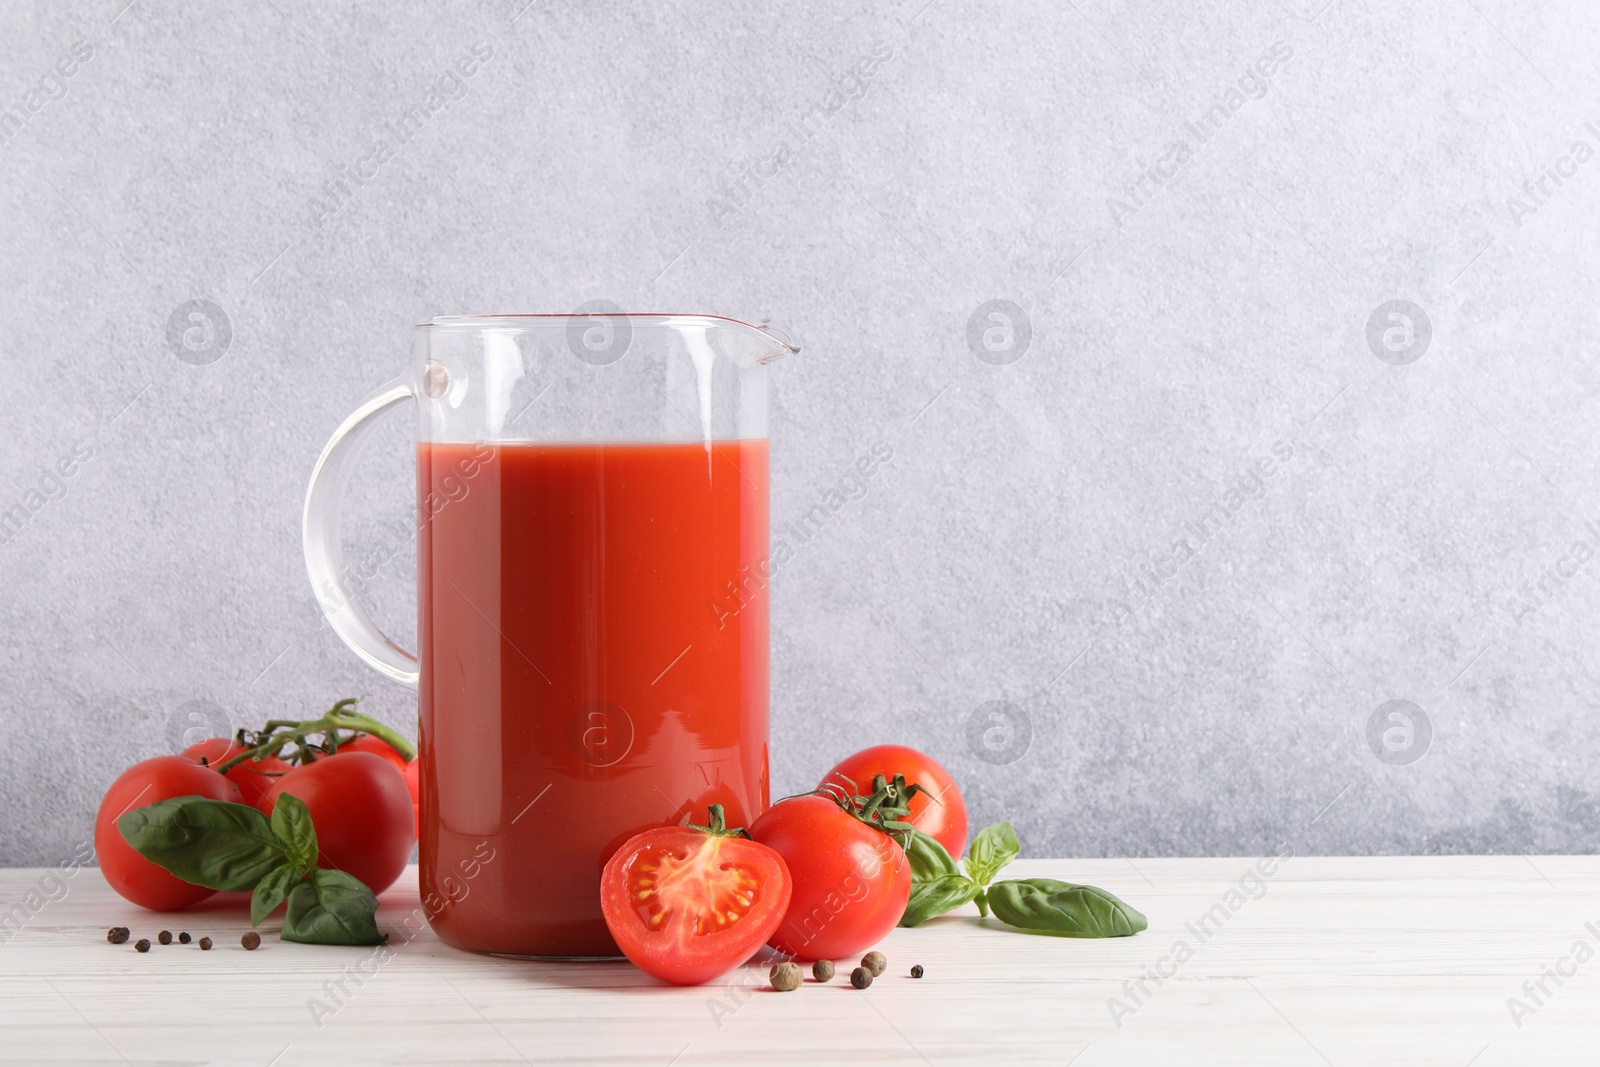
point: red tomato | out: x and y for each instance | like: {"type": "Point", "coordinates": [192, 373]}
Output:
{"type": "Point", "coordinates": [254, 778]}
{"type": "Point", "coordinates": [851, 881]}
{"type": "Point", "coordinates": [359, 805]}
{"type": "Point", "coordinates": [130, 874]}
{"type": "Point", "coordinates": [378, 747]}
{"type": "Point", "coordinates": [937, 808]}
{"type": "Point", "coordinates": [407, 768]}
{"type": "Point", "coordinates": [686, 904]}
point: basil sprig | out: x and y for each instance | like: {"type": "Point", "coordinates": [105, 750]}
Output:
{"type": "Point", "coordinates": [273, 889]}
{"type": "Point", "coordinates": [332, 908]}
{"type": "Point", "coordinates": [234, 848]}
{"type": "Point", "coordinates": [228, 847]}
{"type": "Point", "coordinates": [993, 848]}
{"type": "Point", "coordinates": [1032, 905]}
{"type": "Point", "coordinates": [1061, 909]}
{"type": "Point", "coordinates": [929, 860]}
{"type": "Point", "coordinates": [937, 884]}
{"type": "Point", "coordinates": [932, 899]}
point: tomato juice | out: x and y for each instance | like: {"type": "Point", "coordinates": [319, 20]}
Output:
{"type": "Point", "coordinates": [593, 656]}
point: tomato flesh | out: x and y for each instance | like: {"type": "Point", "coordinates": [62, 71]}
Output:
{"type": "Point", "coordinates": [686, 906]}
{"type": "Point", "coordinates": [937, 808]}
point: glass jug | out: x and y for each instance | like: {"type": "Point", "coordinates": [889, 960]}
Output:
{"type": "Point", "coordinates": [592, 565]}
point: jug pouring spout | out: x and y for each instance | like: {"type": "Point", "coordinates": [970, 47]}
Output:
{"type": "Point", "coordinates": [744, 344]}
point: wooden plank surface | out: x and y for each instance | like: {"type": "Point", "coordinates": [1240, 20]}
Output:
{"type": "Point", "coordinates": [1385, 960]}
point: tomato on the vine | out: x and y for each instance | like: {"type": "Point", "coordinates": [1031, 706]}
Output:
{"type": "Point", "coordinates": [255, 778]}
{"type": "Point", "coordinates": [851, 879]}
{"type": "Point", "coordinates": [153, 780]}
{"type": "Point", "coordinates": [362, 812]}
{"type": "Point", "coordinates": [687, 903]}
{"type": "Point", "coordinates": [936, 808]}
{"type": "Point", "coordinates": [408, 768]}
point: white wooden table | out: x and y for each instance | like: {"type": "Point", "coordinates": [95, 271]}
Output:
{"type": "Point", "coordinates": [1330, 961]}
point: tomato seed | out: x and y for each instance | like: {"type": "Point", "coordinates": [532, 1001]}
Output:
{"type": "Point", "coordinates": [861, 978]}
{"type": "Point", "coordinates": [165, 937]}
{"type": "Point", "coordinates": [183, 938]}
{"type": "Point", "coordinates": [916, 970]}
{"type": "Point", "coordinates": [786, 976]}
{"type": "Point", "coordinates": [822, 970]}
{"type": "Point", "coordinates": [251, 941]}
{"type": "Point", "coordinates": [142, 945]}
{"type": "Point", "coordinates": [117, 935]}
{"type": "Point", "coordinates": [205, 944]}
{"type": "Point", "coordinates": [874, 962]}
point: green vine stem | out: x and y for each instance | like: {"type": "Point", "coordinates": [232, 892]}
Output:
{"type": "Point", "coordinates": [717, 826]}
{"type": "Point", "coordinates": [269, 741]}
{"type": "Point", "coordinates": [885, 809]}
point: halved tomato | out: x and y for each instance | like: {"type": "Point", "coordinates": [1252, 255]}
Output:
{"type": "Point", "coordinates": [687, 903]}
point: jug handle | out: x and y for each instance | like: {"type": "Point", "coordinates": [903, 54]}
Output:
{"type": "Point", "coordinates": [324, 548]}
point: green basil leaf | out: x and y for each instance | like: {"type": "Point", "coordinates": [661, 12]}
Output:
{"type": "Point", "coordinates": [273, 889]}
{"type": "Point", "coordinates": [929, 860]}
{"type": "Point", "coordinates": [332, 908]}
{"type": "Point", "coordinates": [1061, 909]}
{"type": "Point", "coordinates": [205, 842]}
{"type": "Point", "coordinates": [931, 899]}
{"type": "Point", "coordinates": [993, 848]}
{"type": "Point", "coordinates": [291, 825]}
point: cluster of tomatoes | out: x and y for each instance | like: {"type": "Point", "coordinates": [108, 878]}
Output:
{"type": "Point", "coordinates": [817, 876]}
{"type": "Point", "coordinates": [362, 800]}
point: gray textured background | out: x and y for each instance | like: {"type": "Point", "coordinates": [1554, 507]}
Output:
{"type": "Point", "coordinates": [1421, 543]}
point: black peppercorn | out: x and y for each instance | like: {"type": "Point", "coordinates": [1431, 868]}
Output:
{"type": "Point", "coordinates": [916, 970]}
{"type": "Point", "coordinates": [142, 945]}
{"type": "Point", "coordinates": [117, 935]}
{"type": "Point", "coordinates": [251, 941]}
{"type": "Point", "coordinates": [165, 937]}
{"type": "Point", "coordinates": [861, 978]}
{"type": "Point", "coordinates": [183, 938]}
{"type": "Point", "coordinates": [205, 944]}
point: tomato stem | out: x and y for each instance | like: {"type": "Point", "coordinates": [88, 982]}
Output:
{"type": "Point", "coordinates": [716, 826]}
{"type": "Point", "coordinates": [885, 809]}
{"type": "Point", "coordinates": [277, 733]}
